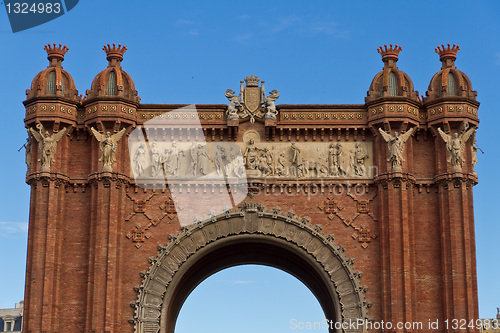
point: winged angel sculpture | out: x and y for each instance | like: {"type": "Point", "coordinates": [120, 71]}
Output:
{"type": "Point", "coordinates": [455, 145]}
{"type": "Point", "coordinates": [47, 144]}
{"type": "Point", "coordinates": [396, 145]}
{"type": "Point", "coordinates": [107, 144]}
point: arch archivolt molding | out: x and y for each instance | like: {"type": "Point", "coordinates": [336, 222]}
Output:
{"type": "Point", "coordinates": [250, 218]}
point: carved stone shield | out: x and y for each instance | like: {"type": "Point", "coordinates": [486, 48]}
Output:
{"type": "Point", "coordinates": [252, 99]}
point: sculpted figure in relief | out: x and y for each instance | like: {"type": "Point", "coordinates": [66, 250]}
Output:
{"type": "Point", "coordinates": [203, 159]}
{"type": "Point", "coordinates": [296, 159]}
{"type": "Point", "coordinates": [107, 145]}
{"type": "Point", "coordinates": [220, 161]}
{"type": "Point", "coordinates": [303, 169]}
{"type": "Point", "coordinates": [358, 160]}
{"type": "Point", "coordinates": [335, 160]}
{"type": "Point", "coordinates": [193, 156]}
{"type": "Point", "coordinates": [47, 144]}
{"type": "Point", "coordinates": [139, 159]}
{"type": "Point", "coordinates": [172, 160]}
{"type": "Point", "coordinates": [280, 165]}
{"type": "Point", "coordinates": [251, 156]}
{"type": "Point", "coordinates": [234, 166]}
{"type": "Point", "coordinates": [267, 162]}
{"type": "Point", "coordinates": [396, 144]}
{"type": "Point", "coordinates": [320, 170]}
{"type": "Point", "coordinates": [155, 160]}
{"type": "Point", "coordinates": [455, 145]}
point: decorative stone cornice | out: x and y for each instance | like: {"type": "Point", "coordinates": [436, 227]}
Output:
{"type": "Point", "coordinates": [45, 177]}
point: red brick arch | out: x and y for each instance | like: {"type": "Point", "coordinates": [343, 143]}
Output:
{"type": "Point", "coordinates": [250, 235]}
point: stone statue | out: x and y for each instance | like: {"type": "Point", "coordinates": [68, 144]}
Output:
{"type": "Point", "coordinates": [396, 145]}
{"type": "Point", "coordinates": [474, 148]}
{"type": "Point", "coordinates": [47, 144]}
{"type": "Point", "coordinates": [455, 146]}
{"type": "Point", "coordinates": [27, 145]}
{"type": "Point", "coordinates": [203, 159]}
{"type": "Point", "coordinates": [251, 156]}
{"type": "Point", "coordinates": [232, 108]}
{"type": "Point", "coordinates": [155, 160]}
{"type": "Point", "coordinates": [107, 144]}
{"type": "Point", "coordinates": [358, 160]}
{"type": "Point", "coordinates": [139, 159]}
{"type": "Point", "coordinates": [172, 160]}
{"type": "Point", "coordinates": [271, 111]}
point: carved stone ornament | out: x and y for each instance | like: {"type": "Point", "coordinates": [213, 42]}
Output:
{"type": "Point", "coordinates": [165, 283]}
{"type": "Point", "coordinates": [252, 101]}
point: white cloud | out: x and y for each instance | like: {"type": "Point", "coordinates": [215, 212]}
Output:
{"type": "Point", "coordinates": [13, 227]}
{"type": "Point", "coordinates": [241, 282]}
{"type": "Point", "coordinates": [183, 21]}
{"type": "Point", "coordinates": [306, 26]}
{"type": "Point", "coordinates": [328, 28]}
{"type": "Point", "coordinates": [285, 23]}
{"type": "Point", "coordinates": [237, 281]}
{"type": "Point", "coordinates": [243, 37]}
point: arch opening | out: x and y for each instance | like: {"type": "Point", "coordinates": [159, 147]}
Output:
{"type": "Point", "coordinates": [257, 250]}
{"type": "Point", "coordinates": [250, 298]}
{"type": "Point", "coordinates": [252, 237]}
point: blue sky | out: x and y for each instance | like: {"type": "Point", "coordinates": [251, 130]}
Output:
{"type": "Point", "coordinates": [312, 52]}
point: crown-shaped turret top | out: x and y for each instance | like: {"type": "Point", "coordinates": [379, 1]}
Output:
{"type": "Point", "coordinates": [55, 54]}
{"type": "Point", "coordinates": [114, 54]}
{"type": "Point", "coordinates": [389, 55]}
{"type": "Point", "coordinates": [447, 55]}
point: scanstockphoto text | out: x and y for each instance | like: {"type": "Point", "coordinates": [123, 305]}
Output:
{"type": "Point", "coordinates": [430, 324]}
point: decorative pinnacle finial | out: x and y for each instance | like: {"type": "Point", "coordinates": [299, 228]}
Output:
{"type": "Point", "coordinates": [447, 52]}
{"type": "Point", "coordinates": [390, 53]}
{"type": "Point", "coordinates": [56, 52]}
{"type": "Point", "coordinates": [114, 52]}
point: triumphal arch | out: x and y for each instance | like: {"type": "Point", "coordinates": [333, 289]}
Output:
{"type": "Point", "coordinates": [133, 205]}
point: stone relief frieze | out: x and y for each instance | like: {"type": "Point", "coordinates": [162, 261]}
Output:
{"type": "Point", "coordinates": [295, 160]}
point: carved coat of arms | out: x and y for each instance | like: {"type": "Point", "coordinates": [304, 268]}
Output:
{"type": "Point", "coordinates": [250, 102]}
